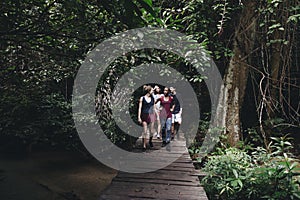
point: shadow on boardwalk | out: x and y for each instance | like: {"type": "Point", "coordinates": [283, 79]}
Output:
{"type": "Point", "coordinates": [178, 180]}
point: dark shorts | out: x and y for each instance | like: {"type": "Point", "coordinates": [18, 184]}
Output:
{"type": "Point", "coordinates": [148, 117]}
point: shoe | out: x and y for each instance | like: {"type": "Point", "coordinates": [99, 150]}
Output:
{"type": "Point", "coordinates": [163, 144]}
{"type": "Point", "coordinates": [168, 148]}
{"type": "Point", "coordinates": [150, 144]}
{"type": "Point", "coordinates": [144, 149]}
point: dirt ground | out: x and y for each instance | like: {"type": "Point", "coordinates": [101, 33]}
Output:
{"type": "Point", "coordinates": [52, 176]}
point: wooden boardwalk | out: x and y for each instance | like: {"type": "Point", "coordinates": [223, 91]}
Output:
{"type": "Point", "coordinates": [177, 181]}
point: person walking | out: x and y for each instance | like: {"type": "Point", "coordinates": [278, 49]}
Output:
{"type": "Point", "coordinates": [157, 109]}
{"type": "Point", "coordinates": [176, 114]}
{"type": "Point", "coordinates": [146, 115]}
{"type": "Point", "coordinates": [166, 115]}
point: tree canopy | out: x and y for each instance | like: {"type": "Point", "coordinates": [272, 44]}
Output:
{"type": "Point", "coordinates": [254, 44]}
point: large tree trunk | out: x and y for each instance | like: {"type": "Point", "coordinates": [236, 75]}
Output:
{"type": "Point", "coordinates": [276, 60]}
{"type": "Point", "coordinates": [235, 79]}
{"type": "Point", "coordinates": [277, 50]}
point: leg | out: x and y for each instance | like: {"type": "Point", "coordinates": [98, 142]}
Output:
{"type": "Point", "coordinates": [158, 128]}
{"type": "Point", "coordinates": [145, 138]}
{"type": "Point", "coordinates": [172, 131]}
{"type": "Point", "coordinates": [172, 127]}
{"type": "Point", "coordinates": [177, 124]}
{"type": "Point", "coordinates": [163, 128]}
{"type": "Point", "coordinates": [168, 128]}
{"type": "Point", "coordinates": [151, 126]}
{"type": "Point", "coordinates": [158, 125]}
{"type": "Point", "coordinates": [176, 128]}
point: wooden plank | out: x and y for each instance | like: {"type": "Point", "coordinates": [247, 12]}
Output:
{"type": "Point", "coordinates": [150, 196]}
{"type": "Point", "coordinates": [117, 197]}
{"type": "Point", "coordinates": [166, 182]}
{"type": "Point", "coordinates": [151, 164]}
{"type": "Point", "coordinates": [156, 191]}
{"type": "Point", "coordinates": [153, 167]}
{"type": "Point", "coordinates": [160, 177]}
{"type": "Point", "coordinates": [179, 180]}
{"type": "Point", "coordinates": [180, 170]}
{"type": "Point", "coordinates": [162, 174]}
{"type": "Point", "coordinates": [153, 187]}
{"type": "Point", "coordinates": [114, 195]}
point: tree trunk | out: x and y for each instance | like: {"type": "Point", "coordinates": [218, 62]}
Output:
{"type": "Point", "coordinates": [235, 78]}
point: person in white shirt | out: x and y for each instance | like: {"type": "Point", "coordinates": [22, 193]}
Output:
{"type": "Point", "coordinates": [157, 109]}
{"type": "Point", "coordinates": [176, 114]}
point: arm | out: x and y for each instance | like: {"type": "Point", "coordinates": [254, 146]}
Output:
{"type": "Point", "coordinates": [172, 105]}
{"type": "Point", "coordinates": [140, 110]}
{"type": "Point", "coordinates": [157, 100]}
{"type": "Point", "coordinates": [172, 108]}
{"type": "Point", "coordinates": [180, 102]}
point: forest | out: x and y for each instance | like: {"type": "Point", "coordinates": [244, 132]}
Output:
{"type": "Point", "coordinates": [253, 43]}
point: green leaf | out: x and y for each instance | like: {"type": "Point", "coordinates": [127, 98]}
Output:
{"type": "Point", "coordinates": [235, 173]}
{"type": "Point", "coordinates": [222, 191]}
{"type": "Point", "coordinates": [274, 26]}
{"type": "Point", "coordinates": [288, 143]}
{"type": "Point", "coordinates": [294, 18]}
{"type": "Point", "coordinates": [234, 183]}
{"type": "Point", "coordinates": [240, 183]}
{"type": "Point", "coordinates": [149, 2]}
{"type": "Point", "coordinates": [293, 165]}
{"type": "Point", "coordinates": [147, 7]}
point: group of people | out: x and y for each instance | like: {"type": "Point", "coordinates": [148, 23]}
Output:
{"type": "Point", "coordinates": [159, 114]}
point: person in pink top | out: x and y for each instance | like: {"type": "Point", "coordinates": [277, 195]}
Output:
{"type": "Point", "coordinates": [166, 115]}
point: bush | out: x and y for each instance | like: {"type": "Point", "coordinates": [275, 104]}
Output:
{"type": "Point", "coordinates": [40, 119]}
{"type": "Point", "coordinates": [233, 174]}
